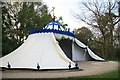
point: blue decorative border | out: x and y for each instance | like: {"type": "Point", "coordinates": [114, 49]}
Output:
{"type": "Point", "coordinates": [53, 24]}
{"type": "Point", "coordinates": [33, 31]}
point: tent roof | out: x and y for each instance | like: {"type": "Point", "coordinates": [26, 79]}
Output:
{"type": "Point", "coordinates": [52, 27]}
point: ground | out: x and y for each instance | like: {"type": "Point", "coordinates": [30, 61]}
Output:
{"type": "Point", "coordinates": [89, 68]}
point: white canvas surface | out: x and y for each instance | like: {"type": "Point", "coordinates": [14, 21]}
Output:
{"type": "Point", "coordinates": [41, 48]}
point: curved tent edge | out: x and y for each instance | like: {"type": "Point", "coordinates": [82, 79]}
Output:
{"type": "Point", "coordinates": [92, 54]}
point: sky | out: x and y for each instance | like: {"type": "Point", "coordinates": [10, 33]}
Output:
{"type": "Point", "coordinates": [66, 9]}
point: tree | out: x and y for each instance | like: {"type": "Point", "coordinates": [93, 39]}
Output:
{"type": "Point", "coordinates": [30, 16]}
{"type": "Point", "coordinates": [0, 29]}
{"type": "Point", "coordinates": [6, 26]}
{"type": "Point", "coordinates": [103, 19]}
{"type": "Point", "coordinates": [84, 35]}
{"type": "Point", "coordinates": [18, 19]}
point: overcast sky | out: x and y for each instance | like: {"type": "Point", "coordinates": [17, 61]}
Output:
{"type": "Point", "coordinates": [66, 9]}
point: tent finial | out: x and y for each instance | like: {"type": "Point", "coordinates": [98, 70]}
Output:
{"type": "Point", "coordinates": [53, 14]}
{"type": "Point", "coordinates": [69, 65]}
{"type": "Point", "coordinates": [9, 66]}
{"type": "Point", "coordinates": [38, 67]}
{"type": "Point", "coordinates": [76, 65]}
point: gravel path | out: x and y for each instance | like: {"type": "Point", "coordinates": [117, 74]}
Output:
{"type": "Point", "coordinates": [89, 68]}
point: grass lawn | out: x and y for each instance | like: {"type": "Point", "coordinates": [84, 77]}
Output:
{"type": "Point", "coordinates": [113, 74]}
{"type": "Point", "coordinates": [106, 76]}
{"type": "Point", "coordinates": [114, 60]}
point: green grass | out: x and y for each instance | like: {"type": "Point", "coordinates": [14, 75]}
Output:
{"type": "Point", "coordinates": [113, 74]}
{"type": "Point", "coordinates": [114, 60]}
{"type": "Point", "coordinates": [106, 76]}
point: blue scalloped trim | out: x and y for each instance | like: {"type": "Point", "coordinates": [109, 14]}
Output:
{"type": "Point", "coordinates": [33, 31]}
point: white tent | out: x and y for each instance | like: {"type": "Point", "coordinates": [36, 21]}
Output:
{"type": "Point", "coordinates": [42, 49]}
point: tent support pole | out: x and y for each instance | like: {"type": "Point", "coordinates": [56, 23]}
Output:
{"type": "Point", "coordinates": [73, 50]}
{"type": "Point", "coordinates": [84, 55]}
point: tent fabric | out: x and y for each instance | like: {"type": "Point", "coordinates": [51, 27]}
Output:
{"type": "Point", "coordinates": [0, 62]}
{"type": "Point", "coordinates": [94, 56]}
{"type": "Point", "coordinates": [40, 48]}
{"type": "Point", "coordinates": [62, 36]}
{"type": "Point", "coordinates": [79, 54]}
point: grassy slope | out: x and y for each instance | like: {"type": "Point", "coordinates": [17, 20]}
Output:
{"type": "Point", "coordinates": [113, 74]}
{"type": "Point", "coordinates": [114, 60]}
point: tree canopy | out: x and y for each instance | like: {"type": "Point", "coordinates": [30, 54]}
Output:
{"type": "Point", "coordinates": [84, 35]}
{"type": "Point", "coordinates": [17, 19]}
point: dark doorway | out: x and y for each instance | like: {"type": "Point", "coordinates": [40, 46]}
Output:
{"type": "Point", "coordinates": [66, 46]}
